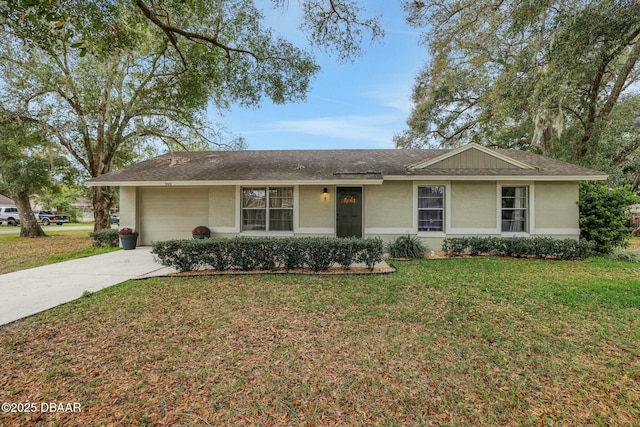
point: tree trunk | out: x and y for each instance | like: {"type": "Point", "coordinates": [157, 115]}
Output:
{"type": "Point", "coordinates": [101, 208]}
{"type": "Point", "coordinates": [29, 226]}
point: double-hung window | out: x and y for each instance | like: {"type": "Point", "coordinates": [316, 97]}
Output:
{"type": "Point", "coordinates": [267, 209]}
{"type": "Point", "coordinates": [431, 208]}
{"type": "Point", "coordinates": [515, 208]}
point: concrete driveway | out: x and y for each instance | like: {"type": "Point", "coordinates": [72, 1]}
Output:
{"type": "Point", "coordinates": [27, 292]}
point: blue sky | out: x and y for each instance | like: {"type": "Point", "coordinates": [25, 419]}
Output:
{"type": "Point", "coordinates": [350, 105]}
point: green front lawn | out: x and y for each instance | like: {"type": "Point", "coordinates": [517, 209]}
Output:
{"type": "Point", "coordinates": [466, 342]}
{"type": "Point", "coordinates": [18, 253]}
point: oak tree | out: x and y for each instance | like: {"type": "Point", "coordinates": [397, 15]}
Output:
{"type": "Point", "coordinates": [23, 171]}
{"type": "Point", "coordinates": [545, 76]}
{"type": "Point", "coordinates": [107, 79]}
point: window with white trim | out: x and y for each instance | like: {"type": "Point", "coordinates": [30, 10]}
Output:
{"type": "Point", "coordinates": [515, 208]}
{"type": "Point", "coordinates": [267, 209]}
{"type": "Point", "coordinates": [431, 208]}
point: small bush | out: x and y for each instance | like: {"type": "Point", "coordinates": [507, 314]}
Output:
{"type": "Point", "coordinates": [518, 247]}
{"type": "Point", "coordinates": [603, 215]}
{"type": "Point", "coordinates": [293, 254]}
{"type": "Point", "coordinates": [244, 254]}
{"type": "Point", "coordinates": [107, 237]}
{"type": "Point", "coordinates": [455, 246]}
{"type": "Point", "coordinates": [626, 255]}
{"type": "Point", "coordinates": [371, 252]}
{"type": "Point", "coordinates": [320, 254]}
{"type": "Point", "coordinates": [346, 252]}
{"type": "Point", "coordinates": [183, 255]}
{"type": "Point", "coordinates": [407, 247]}
{"type": "Point", "coordinates": [217, 254]}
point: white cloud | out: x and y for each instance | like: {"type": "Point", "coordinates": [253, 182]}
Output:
{"type": "Point", "coordinates": [396, 95]}
{"type": "Point", "coordinates": [376, 130]}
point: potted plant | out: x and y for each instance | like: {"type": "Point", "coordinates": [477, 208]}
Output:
{"type": "Point", "coordinates": [128, 238]}
{"type": "Point", "coordinates": [201, 232]}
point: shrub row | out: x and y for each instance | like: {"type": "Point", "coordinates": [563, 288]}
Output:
{"type": "Point", "coordinates": [107, 237]}
{"type": "Point", "coordinates": [246, 253]}
{"type": "Point", "coordinates": [538, 247]}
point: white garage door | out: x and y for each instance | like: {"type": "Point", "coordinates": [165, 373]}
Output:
{"type": "Point", "coordinates": [171, 213]}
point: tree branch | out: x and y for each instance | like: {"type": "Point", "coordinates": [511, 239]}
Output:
{"type": "Point", "coordinates": [171, 32]}
{"type": "Point", "coordinates": [626, 153]}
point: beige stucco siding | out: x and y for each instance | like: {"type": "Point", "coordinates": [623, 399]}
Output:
{"type": "Point", "coordinates": [171, 213]}
{"type": "Point", "coordinates": [556, 205]}
{"type": "Point", "coordinates": [129, 207]}
{"type": "Point", "coordinates": [222, 208]}
{"type": "Point", "coordinates": [390, 210]}
{"type": "Point", "coordinates": [316, 213]}
{"type": "Point", "coordinates": [389, 205]}
{"type": "Point", "coordinates": [473, 205]}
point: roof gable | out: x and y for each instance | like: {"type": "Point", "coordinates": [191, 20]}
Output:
{"type": "Point", "coordinates": [6, 201]}
{"type": "Point", "coordinates": [471, 156]}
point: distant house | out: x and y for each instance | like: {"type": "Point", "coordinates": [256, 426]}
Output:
{"type": "Point", "coordinates": [431, 194]}
{"type": "Point", "coordinates": [5, 201]}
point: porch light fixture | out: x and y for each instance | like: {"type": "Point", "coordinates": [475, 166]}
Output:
{"type": "Point", "coordinates": [325, 193]}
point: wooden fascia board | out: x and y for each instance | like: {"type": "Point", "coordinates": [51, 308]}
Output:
{"type": "Point", "coordinates": [496, 178]}
{"type": "Point", "coordinates": [169, 183]}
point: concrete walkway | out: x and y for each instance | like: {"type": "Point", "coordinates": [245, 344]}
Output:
{"type": "Point", "coordinates": [27, 292]}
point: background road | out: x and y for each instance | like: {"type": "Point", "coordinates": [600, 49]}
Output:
{"type": "Point", "coordinates": [7, 229]}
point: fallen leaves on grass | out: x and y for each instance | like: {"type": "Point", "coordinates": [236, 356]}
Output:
{"type": "Point", "coordinates": [455, 343]}
{"type": "Point", "coordinates": [21, 253]}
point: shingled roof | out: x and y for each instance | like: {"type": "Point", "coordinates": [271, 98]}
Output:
{"type": "Point", "coordinates": [326, 166]}
{"type": "Point", "coordinates": [4, 201]}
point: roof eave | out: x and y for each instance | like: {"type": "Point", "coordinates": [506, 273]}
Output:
{"type": "Point", "coordinates": [496, 177]}
{"type": "Point", "coordinates": [377, 181]}
{"type": "Point", "coordinates": [202, 183]}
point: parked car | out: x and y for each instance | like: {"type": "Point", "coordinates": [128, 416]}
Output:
{"type": "Point", "coordinates": [47, 217]}
{"type": "Point", "coordinates": [115, 219]}
{"type": "Point", "coordinates": [9, 215]}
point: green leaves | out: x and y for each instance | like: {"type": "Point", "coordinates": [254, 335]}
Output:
{"type": "Point", "coordinates": [247, 254]}
{"type": "Point", "coordinates": [603, 215]}
{"type": "Point", "coordinates": [407, 247]}
{"type": "Point", "coordinates": [519, 247]}
{"type": "Point", "coordinates": [542, 76]}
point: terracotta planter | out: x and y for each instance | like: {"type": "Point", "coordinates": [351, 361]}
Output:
{"type": "Point", "coordinates": [129, 241]}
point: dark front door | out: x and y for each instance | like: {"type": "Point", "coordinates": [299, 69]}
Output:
{"type": "Point", "coordinates": [349, 212]}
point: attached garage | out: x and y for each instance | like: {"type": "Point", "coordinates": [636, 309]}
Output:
{"type": "Point", "coordinates": [171, 213]}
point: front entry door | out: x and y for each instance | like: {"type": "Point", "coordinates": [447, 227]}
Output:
{"type": "Point", "coordinates": [349, 212]}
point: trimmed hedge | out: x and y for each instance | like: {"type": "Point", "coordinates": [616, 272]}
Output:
{"type": "Point", "coordinates": [519, 247]}
{"type": "Point", "coordinates": [246, 253]}
{"type": "Point", "coordinates": [106, 237]}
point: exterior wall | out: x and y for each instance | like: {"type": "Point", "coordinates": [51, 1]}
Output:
{"type": "Point", "coordinates": [388, 208]}
{"type": "Point", "coordinates": [473, 207]}
{"type": "Point", "coordinates": [316, 213]}
{"type": "Point", "coordinates": [223, 214]}
{"type": "Point", "coordinates": [129, 207]}
{"type": "Point", "coordinates": [556, 209]}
